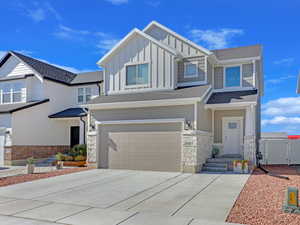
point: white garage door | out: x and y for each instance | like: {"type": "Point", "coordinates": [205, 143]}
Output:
{"type": "Point", "coordinates": [154, 147]}
{"type": "Point", "coordinates": [2, 136]}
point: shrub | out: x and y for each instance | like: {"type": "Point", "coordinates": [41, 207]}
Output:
{"type": "Point", "coordinates": [30, 161]}
{"type": "Point", "coordinates": [69, 158]}
{"type": "Point", "coordinates": [80, 158]}
{"type": "Point", "coordinates": [215, 152]}
{"type": "Point", "coordinates": [60, 157]}
{"type": "Point", "coordinates": [78, 150]}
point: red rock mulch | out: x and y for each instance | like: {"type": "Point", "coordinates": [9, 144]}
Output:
{"type": "Point", "coordinates": [261, 200]}
{"type": "Point", "coordinates": [5, 181]}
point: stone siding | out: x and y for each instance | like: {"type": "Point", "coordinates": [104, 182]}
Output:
{"type": "Point", "coordinates": [196, 149]}
{"type": "Point", "coordinates": [250, 149]}
{"type": "Point", "coordinates": [92, 148]}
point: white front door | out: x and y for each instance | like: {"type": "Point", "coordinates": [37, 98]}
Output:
{"type": "Point", "coordinates": [232, 135]}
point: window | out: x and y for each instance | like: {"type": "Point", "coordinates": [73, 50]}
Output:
{"type": "Point", "coordinates": [233, 76]}
{"type": "Point", "coordinates": [11, 93]}
{"type": "Point", "coordinates": [190, 70]}
{"type": "Point", "coordinates": [137, 74]}
{"type": "Point", "coordinates": [84, 95]}
{"type": "Point", "coordinates": [232, 125]}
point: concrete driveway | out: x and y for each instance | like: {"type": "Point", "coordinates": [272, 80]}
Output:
{"type": "Point", "coordinates": [111, 197]}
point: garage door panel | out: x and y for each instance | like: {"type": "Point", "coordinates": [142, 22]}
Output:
{"type": "Point", "coordinates": [143, 147]}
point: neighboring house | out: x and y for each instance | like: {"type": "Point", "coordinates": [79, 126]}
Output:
{"type": "Point", "coordinates": [167, 101]}
{"type": "Point", "coordinates": [39, 108]}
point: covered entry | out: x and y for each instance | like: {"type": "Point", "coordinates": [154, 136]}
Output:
{"type": "Point", "coordinates": [140, 145]}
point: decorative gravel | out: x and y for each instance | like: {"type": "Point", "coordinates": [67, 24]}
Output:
{"type": "Point", "coordinates": [5, 181]}
{"type": "Point", "coordinates": [261, 199]}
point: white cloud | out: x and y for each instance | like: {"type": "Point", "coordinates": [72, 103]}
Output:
{"type": "Point", "coordinates": [277, 120]}
{"type": "Point", "coordinates": [65, 32]}
{"type": "Point", "coordinates": [107, 44]}
{"type": "Point", "coordinates": [285, 61]}
{"type": "Point", "coordinates": [215, 39]}
{"type": "Point", "coordinates": [153, 3]}
{"type": "Point", "coordinates": [117, 2]}
{"type": "Point", "coordinates": [280, 79]}
{"type": "Point", "coordinates": [282, 107]}
{"type": "Point", "coordinates": [39, 11]}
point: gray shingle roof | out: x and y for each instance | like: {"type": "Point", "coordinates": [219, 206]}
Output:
{"type": "Point", "coordinates": [233, 97]}
{"type": "Point", "coordinates": [240, 52]}
{"type": "Point", "coordinates": [10, 108]}
{"type": "Point", "coordinates": [55, 73]}
{"type": "Point", "coordinates": [187, 92]}
{"type": "Point", "coordinates": [69, 113]}
{"type": "Point", "coordinates": [88, 77]}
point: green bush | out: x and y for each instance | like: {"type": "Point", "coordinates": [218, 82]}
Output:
{"type": "Point", "coordinates": [215, 152]}
{"type": "Point", "coordinates": [80, 158]}
{"type": "Point", "coordinates": [60, 157]}
{"type": "Point", "coordinates": [78, 150]}
{"type": "Point", "coordinates": [69, 158]}
{"type": "Point", "coordinates": [30, 161]}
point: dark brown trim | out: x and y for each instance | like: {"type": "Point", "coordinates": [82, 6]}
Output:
{"type": "Point", "coordinates": [68, 84]}
{"type": "Point", "coordinates": [28, 106]}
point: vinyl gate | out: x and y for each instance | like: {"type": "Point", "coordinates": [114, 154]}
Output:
{"type": "Point", "coordinates": [280, 151]}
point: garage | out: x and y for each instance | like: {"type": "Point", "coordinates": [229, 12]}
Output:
{"type": "Point", "coordinates": [140, 146]}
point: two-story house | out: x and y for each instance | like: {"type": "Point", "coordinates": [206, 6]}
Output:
{"type": "Point", "coordinates": [40, 111]}
{"type": "Point", "coordinates": [168, 101]}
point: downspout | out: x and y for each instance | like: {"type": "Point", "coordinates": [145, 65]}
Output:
{"type": "Point", "coordinates": [99, 88]}
{"type": "Point", "coordinates": [83, 129]}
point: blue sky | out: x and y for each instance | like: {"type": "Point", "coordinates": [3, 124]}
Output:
{"type": "Point", "coordinates": [75, 35]}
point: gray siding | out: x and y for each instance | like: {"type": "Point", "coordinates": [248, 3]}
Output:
{"type": "Point", "coordinates": [247, 75]}
{"type": "Point", "coordinates": [140, 50]}
{"type": "Point", "coordinates": [201, 69]}
{"type": "Point", "coordinates": [173, 42]}
{"type": "Point", "coordinates": [218, 77]}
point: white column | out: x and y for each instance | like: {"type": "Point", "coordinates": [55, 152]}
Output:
{"type": "Point", "coordinates": [250, 121]}
{"type": "Point", "coordinates": [81, 132]}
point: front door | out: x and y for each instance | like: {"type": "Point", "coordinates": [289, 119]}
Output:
{"type": "Point", "coordinates": [232, 135]}
{"type": "Point", "coordinates": [74, 136]}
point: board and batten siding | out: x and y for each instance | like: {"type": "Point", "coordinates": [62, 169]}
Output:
{"type": "Point", "coordinates": [247, 75]}
{"type": "Point", "coordinates": [136, 51]}
{"type": "Point", "coordinates": [14, 67]}
{"type": "Point", "coordinates": [172, 41]}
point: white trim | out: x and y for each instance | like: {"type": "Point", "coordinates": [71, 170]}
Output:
{"type": "Point", "coordinates": [134, 86]}
{"type": "Point", "coordinates": [237, 60]}
{"type": "Point", "coordinates": [142, 104]}
{"type": "Point", "coordinates": [229, 105]}
{"type": "Point", "coordinates": [254, 73]}
{"type": "Point", "coordinates": [145, 121]}
{"type": "Point", "coordinates": [224, 76]}
{"type": "Point", "coordinates": [192, 83]}
{"type": "Point", "coordinates": [84, 94]}
{"type": "Point", "coordinates": [197, 70]}
{"type": "Point", "coordinates": [127, 37]}
{"type": "Point", "coordinates": [195, 116]}
{"type": "Point", "coordinates": [241, 119]}
{"type": "Point", "coordinates": [138, 90]}
{"type": "Point", "coordinates": [154, 23]}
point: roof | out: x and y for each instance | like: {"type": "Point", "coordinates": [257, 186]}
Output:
{"type": "Point", "coordinates": [186, 92]}
{"type": "Point", "coordinates": [155, 23]}
{"type": "Point", "coordinates": [88, 77]}
{"type": "Point", "coordinates": [240, 52]}
{"type": "Point", "coordinates": [51, 72]}
{"type": "Point", "coordinates": [69, 113]}
{"type": "Point", "coordinates": [10, 108]}
{"type": "Point", "coordinates": [131, 34]}
{"type": "Point", "coordinates": [233, 97]}
{"type": "Point", "coordinates": [274, 135]}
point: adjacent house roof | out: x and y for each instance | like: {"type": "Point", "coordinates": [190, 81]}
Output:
{"type": "Point", "coordinates": [51, 72]}
{"type": "Point", "coordinates": [233, 97]}
{"type": "Point", "coordinates": [180, 93]}
{"type": "Point", "coordinates": [10, 108]}
{"type": "Point", "coordinates": [240, 52]}
{"type": "Point", "coordinates": [69, 113]}
{"type": "Point", "coordinates": [88, 77]}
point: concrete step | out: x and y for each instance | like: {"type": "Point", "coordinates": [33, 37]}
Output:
{"type": "Point", "coordinates": [221, 160]}
{"type": "Point", "coordinates": [235, 156]}
{"type": "Point", "coordinates": [219, 165]}
{"type": "Point", "coordinates": [214, 169]}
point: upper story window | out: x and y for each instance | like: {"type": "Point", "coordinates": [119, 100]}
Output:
{"type": "Point", "coordinates": [12, 93]}
{"type": "Point", "coordinates": [137, 74]}
{"type": "Point", "coordinates": [233, 76]}
{"type": "Point", "coordinates": [84, 95]}
{"type": "Point", "coordinates": [190, 70]}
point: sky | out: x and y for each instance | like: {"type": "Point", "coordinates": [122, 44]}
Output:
{"type": "Point", "coordinates": [75, 36]}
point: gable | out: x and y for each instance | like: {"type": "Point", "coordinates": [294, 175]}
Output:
{"type": "Point", "coordinates": [174, 40]}
{"type": "Point", "coordinates": [14, 67]}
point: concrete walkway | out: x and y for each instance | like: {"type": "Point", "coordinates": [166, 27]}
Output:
{"type": "Point", "coordinates": [111, 197]}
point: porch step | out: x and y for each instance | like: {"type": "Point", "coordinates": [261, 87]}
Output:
{"type": "Point", "coordinates": [221, 160]}
{"type": "Point", "coordinates": [219, 165]}
{"type": "Point", "coordinates": [214, 169]}
{"type": "Point", "coordinates": [235, 156]}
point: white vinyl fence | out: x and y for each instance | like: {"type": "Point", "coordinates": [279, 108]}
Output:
{"type": "Point", "coordinates": [280, 151]}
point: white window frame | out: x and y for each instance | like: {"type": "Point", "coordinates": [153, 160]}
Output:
{"type": "Point", "coordinates": [84, 94]}
{"type": "Point", "coordinates": [136, 64]}
{"type": "Point", "coordinates": [11, 92]}
{"type": "Point", "coordinates": [241, 76]}
{"type": "Point", "coordinates": [197, 70]}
